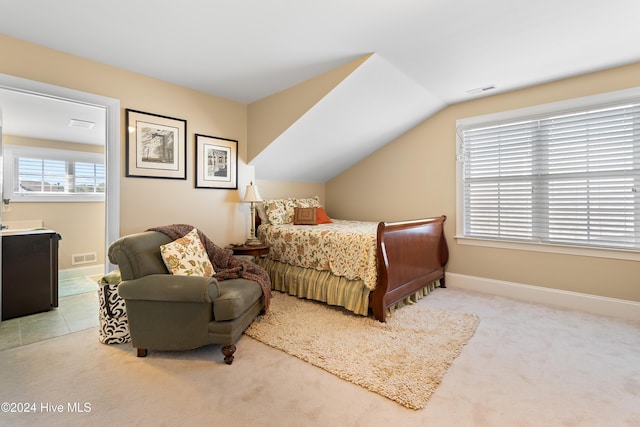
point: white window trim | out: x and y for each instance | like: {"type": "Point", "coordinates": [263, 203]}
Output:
{"type": "Point", "coordinates": [529, 112]}
{"type": "Point", "coordinates": [11, 152]}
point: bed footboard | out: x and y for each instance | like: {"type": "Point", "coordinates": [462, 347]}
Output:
{"type": "Point", "coordinates": [411, 255]}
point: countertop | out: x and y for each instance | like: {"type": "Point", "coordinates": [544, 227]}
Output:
{"type": "Point", "coordinates": [22, 232]}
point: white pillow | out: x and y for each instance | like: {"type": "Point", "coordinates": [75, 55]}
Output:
{"type": "Point", "coordinates": [187, 256]}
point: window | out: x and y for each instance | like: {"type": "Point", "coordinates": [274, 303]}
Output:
{"type": "Point", "coordinates": [42, 174]}
{"type": "Point", "coordinates": [562, 174]}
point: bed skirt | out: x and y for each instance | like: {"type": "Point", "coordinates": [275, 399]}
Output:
{"type": "Point", "coordinates": [326, 287]}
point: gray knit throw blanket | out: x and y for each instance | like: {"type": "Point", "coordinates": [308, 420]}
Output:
{"type": "Point", "coordinates": [224, 263]}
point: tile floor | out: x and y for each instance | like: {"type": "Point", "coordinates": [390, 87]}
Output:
{"type": "Point", "coordinates": [78, 309]}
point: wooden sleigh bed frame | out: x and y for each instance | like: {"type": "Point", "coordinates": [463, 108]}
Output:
{"type": "Point", "coordinates": [410, 255]}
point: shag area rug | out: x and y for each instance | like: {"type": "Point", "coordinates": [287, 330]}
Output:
{"type": "Point", "coordinates": [403, 359]}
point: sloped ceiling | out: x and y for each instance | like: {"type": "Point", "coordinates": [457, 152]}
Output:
{"type": "Point", "coordinates": [251, 49]}
{"type": "Point", "coordinates": [373, 105]}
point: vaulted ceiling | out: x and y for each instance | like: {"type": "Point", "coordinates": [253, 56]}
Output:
{"type": "Point", "coordinates": [421, 55]}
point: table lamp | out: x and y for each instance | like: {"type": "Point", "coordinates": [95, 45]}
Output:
{"type": "Point", "coordinates": [252, 196]}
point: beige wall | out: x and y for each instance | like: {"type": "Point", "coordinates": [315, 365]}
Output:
{"type": "Point", "coordinates": [415, 177]}
{"type": "Point", "coordinates": [81, 225]}
{"type": "Point", "coordinates": [150, 202]}
{"type": "Point", "coordinates": [47, 143]}
{"type": "Point", "coordinates": [284, 189]}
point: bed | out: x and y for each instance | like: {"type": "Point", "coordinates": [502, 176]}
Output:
{"type": "Point", "coordinates": [364, 267]}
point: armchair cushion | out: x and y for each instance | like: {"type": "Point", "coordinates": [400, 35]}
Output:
{"type": "Point", "coordinates": [187, 256]}
{"type": "Point", "coordinates": [164, 287]}
{"type": "Point", "coordinates": [236, 296]}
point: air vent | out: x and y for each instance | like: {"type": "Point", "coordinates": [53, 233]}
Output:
{"type": "Point", "coordinates": [83, 258]}
{"type": "Point", "coordinates": [83, 124]}
{"type": "Point", "coordinates": [481, 89]}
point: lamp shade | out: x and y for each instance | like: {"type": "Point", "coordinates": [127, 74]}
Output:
{"type": "Point", "coordinates": [252, 194]}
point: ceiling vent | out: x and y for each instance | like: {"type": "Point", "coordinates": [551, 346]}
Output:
{"type": "Point", "coordinates": [83, 124]}
{"type": "Point", "coordinates": [481, 89]}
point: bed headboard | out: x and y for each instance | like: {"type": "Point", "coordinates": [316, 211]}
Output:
{"type": "Point", "coordinates": [257, 219]}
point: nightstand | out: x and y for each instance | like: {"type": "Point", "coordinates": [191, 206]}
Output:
{"type": "Point", "coordinates": [252, 250]}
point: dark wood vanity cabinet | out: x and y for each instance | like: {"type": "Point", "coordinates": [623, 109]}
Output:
{"type": "Point", "coordinates": [29, 272]}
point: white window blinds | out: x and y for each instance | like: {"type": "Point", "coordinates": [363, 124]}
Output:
{"type": "Point", "coordinates": [562, 178]}
{"type": "Point", "coordinates": [34, 174]}
{"type": "Point", "coordinates": [58, 176]}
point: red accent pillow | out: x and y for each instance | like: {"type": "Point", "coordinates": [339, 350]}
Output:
{"type": "Point", "coordinates": [322, 217]}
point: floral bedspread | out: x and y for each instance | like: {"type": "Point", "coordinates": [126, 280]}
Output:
{"type": "Point", "coordinates": [346, 248]}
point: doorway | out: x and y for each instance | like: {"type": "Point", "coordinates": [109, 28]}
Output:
{"type": "Point", "coordinates": [112, 131]}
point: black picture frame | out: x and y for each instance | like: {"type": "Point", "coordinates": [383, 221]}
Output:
{"type": "Point", "coordinates": [216, 162]}
{"type": "Point", "coordinates": [156, 145]}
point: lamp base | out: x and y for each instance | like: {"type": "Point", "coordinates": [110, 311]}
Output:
{"type": "Point", "coordinates": [253, 241]}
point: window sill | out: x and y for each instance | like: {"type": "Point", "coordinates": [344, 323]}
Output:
{"type": "Point", "coordinates": [58, 198]}
{"type": "Point", "coordinates": [547, 248]}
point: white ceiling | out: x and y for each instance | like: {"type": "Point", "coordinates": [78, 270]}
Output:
{"type": "Point", "coordinates": [35, 116]}
{"type": "Point", "coordinates": [374, 105]}
{"type": "Point", "coordinates": [247, 49]}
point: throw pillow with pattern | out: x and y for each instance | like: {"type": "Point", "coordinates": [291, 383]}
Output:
{"type": "Point", "coordinates": [279, 211]}
{"type": "Point", "coordinates": [187, 256]}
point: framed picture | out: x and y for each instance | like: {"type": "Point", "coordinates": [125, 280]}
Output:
{"type": "Point", "coordinates": [216, 162]}
{"type": "Point", "coordinates": [156, 146]}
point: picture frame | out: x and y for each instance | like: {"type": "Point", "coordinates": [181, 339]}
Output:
{"type": "Point", "coordinates": [156, 146]}
{"type": "Point", "coordinates": [216, 162]}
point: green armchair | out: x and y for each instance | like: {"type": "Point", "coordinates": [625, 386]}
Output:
{"type": "Point", "coordinates": [170, 312]}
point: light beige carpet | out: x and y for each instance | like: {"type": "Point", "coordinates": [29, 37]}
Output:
{"type": "Point", "coordinates": [403, 359]}
{"type": "Point", "coordinates": [527, 365]}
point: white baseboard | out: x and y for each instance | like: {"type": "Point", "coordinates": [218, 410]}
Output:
{"type": "Point", "coordinates": [554, 297]}
{"type": "Point", "coordinates": [90, 270]}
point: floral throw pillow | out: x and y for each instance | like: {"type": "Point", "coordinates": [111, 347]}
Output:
{"type": "Point", "coordinates": [187, 256]}
{"type": "Point", "coordinates": [309, 202]}
{"type": "Point", "coordinates": [279, 211]}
